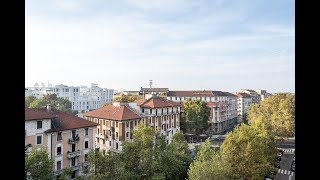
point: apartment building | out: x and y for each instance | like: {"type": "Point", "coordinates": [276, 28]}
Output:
{"type": "Point", "coordinates": [83, 98]}
{"type": "Point", "coordinates": [119, 120]}
{"type": "Point", "coordinates": [263, 94]}
{"type": "Point", "coordinates": [161, 114]}
{"type": "Point", "coordinates": [223, 107]}
{"type": "Point", "coordinates": [116, 124]}
{"type": "Point", "coordinates": [254, 95]}
{"type": "Point", "coordinates": [67, 138]}
{"type": "Point", "coordinates": [244, 101]}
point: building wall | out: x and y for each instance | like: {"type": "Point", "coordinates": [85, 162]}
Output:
{"type": "Point", "coordinates": [66, 146]}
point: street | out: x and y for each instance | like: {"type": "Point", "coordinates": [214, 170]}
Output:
{"type": "Point", "coordinates": [285, 173]}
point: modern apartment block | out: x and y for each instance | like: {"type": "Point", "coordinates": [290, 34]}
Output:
{"type": "Point", "coordinates": [67, 138]}
{"type": "Point", "coordinates": [119, 120]}
{"type": "Point", "coordinates": [244, 101]}
{"type": "Point", "coordinates": [223, 107]}
{"type": "Point", "coordinates": [83, 98]}
{"type": "Point", "coordinates": [263, 94]}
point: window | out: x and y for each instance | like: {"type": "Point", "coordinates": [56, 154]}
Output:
{"type": "Point", "coordinates": [156, 111]}
{"type": "Point", "coordinates": [104, 132]}
{"type": "Point", "coordinates": [39, 124]}
{"type": "Point", "coordinates": [150, 120]}
{"type": "Point", "coordinates": [73, 133]}
{"type": "Point", "coordinates": [59, 136]}
{"type": "Point", "coordinates": [127, 134]}
{"type": "Point", "coordinates": [73, 147]}
{"type": "Point", "coordinates": [98, 140]}
{"type": "Point", "coordinates": [103, 141]}
{"type": "Point", "coordinates": [85, 157]}
{"type": "Point", "coordinates": [98, 131]}
{"type": "Point", "coordinates": [86, 131]}
{"type": "Point", "coordinates": [39, 139]}
{"type": "Point", "coordinates": [73, 175]}
{"type": "Point", "coordinates": [86, 144]}
{"type": "Point", "coordinates": [116, 145]}
{"type": "Point", "coordinates": [58, 165]}
{"type": "Point", "coordinates": [142, 110]}
{"type": "Point", "coordinates": [135, 122]}
{"type": "Point", "coordinates": [73, 161]}
{"type": "Point", "coordinates": [127, 123]}
{"type": "Point", "coordinates": [104, 122]}
{"type": "Point", "coordinates": [116, 124]}
{"type": "Point", "coordinates": [58, 150]}
{"type": "Point", "coordinates": [109, 143]}
{"type": "Point", "coordinates": [116, 134]}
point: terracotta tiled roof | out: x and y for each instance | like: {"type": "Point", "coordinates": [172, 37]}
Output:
{"type": "Point", "coordinates": [157, 102]}
{"type": "Point", "coordinates": [60, 120]}
{"type": "Point", "coordinates": [197, 93]}
{"type": "Point", "coordinates": [229, 94]}
{"type": "Point", "coordinates": [120, 113]}
{"type": "Point", "coordinates": [37, 113]}
{"type": "Point", "coordinates": [245, 95]}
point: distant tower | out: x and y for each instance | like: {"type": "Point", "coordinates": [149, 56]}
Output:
{"type": "Point", "coordinates": [150, 82]}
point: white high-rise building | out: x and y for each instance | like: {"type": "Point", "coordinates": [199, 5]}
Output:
{"type": "Point", "coordinates": [83, 98]}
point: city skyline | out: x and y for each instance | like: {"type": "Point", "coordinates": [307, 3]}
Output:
{"type": "Point", "coordinates": [182, 45]}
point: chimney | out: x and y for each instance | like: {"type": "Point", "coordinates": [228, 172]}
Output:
{"type": "Point", "coordinates": [48, 107]}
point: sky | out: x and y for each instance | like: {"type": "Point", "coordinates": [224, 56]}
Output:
{"type": "Point", "coordinates": [222, 45]}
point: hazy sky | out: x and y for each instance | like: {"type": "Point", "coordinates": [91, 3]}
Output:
{"type": "Point", "coordinates": [179, 44]}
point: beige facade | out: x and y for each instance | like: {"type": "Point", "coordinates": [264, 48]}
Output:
{"type": "Point", "coordinates": [68, 145]}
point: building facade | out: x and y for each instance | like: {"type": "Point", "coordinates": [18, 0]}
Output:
{"type": "Point", "coordinates": [256, 98]}
{"type": "Point", "coordinates": [244, 101]}
{"type": "Point", "coordinates": [223, 107]}
{"type": "Point", "coordinates": [67, 138]}
{"type": "Point", "coordinates": [83, 98]}
{"type": "Point", "coordinates": [119, 120]}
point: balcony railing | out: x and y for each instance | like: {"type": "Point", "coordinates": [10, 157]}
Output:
{"type": "Point", "coordinates": [75, 167]}
{"type": "Point", "coordinates": [103, 136]}
{"type": "Point", "coordinates": [57, 172]}
{"type": "Point", "coordinates": [74, 140]}
{"type": "Point", "coordinates": [73, 154]}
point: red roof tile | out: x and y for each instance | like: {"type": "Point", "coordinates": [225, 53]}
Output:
{"type": "Point", "coordinates": [60, 121]}
{"type": "Point", "coordinates": [245, 95]}
{"type": "Point", "coordinates": [120, 113]}
{"type": "Point", "coordinates": [37, 113]}
{"type": "Point", "coordinates": [157, 102]}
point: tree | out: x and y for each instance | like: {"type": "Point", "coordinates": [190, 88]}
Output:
{"type": "Point", "coordinates": [179, 158]}
{"type": "Point", "coordinates": [125, 98]}
{"type": "Point", "coordinates": [28, 100]}
{"type": "Point", "coordinates": [278, 111]}
{"type": "Point", "coordinates": [105, 104]}
{"type": "Point", "coordinates": [66, 173]}
{"type": "Point", "coordinates": [197, 115]}
{"type": "Point", "coordinates": [104, 166]}
{"type": "Point", "coordinates": [38, 103]}
{"type": "Point", "coordinates": [38, 165]}
{"type": "Point", "coordinates": [138, 154]}
{"type": "Point", "coordinates": [208, 165]}
{"type": "Point", "coordinates": [59, 103]}
{"type": "Point", "coordinates": [249, 151]}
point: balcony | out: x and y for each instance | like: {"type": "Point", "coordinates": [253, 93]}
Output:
{"type": "Point", "coordinates": [58, 172]}
{"type": "Point", "coordinates": [73, 154]}
{"type": "Point", "coordinates": [74, 140]}
{"type": "Point", "coordinates": [103, 136]}
{"type": "Point", "coordinates": [110, 129]}
{"type": "Point", "coordinates": [86, 163]}
{"type": "Point", "coordinates": [75, 167]}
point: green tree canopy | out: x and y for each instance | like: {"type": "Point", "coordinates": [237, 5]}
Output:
{"type": "Point", "coordinates": [38, 165]}
{"type": "Point", "coordinates": [278, 111]}
{"type": "Point", "coordinates": [37, 103]}
{"type": "Point", "coordinates": [249, 151]}
{"type": "Point", "coordinates": [208, 165]}
{"type": "Point", "coordinates": [126, 98]}
{"type": "Point", "coordinates": [196, 116]}
{"type": "Point", "coordinates": [28, 100]}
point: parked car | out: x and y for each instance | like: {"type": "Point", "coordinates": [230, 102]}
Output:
{"type": "Point", "coordinates": [293, 166]}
